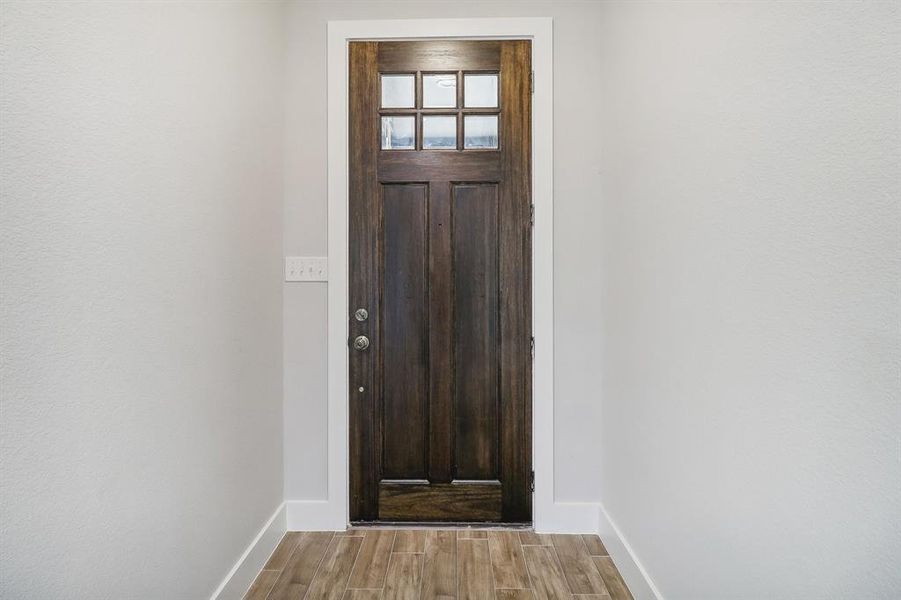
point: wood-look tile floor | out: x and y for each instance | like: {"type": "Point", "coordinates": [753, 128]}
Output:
{"type": "Point", "coordinates": [438, 564]}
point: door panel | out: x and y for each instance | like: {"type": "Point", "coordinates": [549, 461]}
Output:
{"type": "Point", "coordinates": [440, 502]}
{"type": "Point", "coordinates": [476, 340]}
{"type": "Point", "coordinates": [404, 331]}
{"type": "Point", "coordinates": [440, 259]}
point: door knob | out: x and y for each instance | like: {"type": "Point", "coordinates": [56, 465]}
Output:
{"type": "Point", "coordinates": [361, 342]}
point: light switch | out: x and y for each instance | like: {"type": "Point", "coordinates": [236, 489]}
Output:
{"type": "Point", "coordinates": [306, 268]}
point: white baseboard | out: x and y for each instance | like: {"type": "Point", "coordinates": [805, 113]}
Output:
{"type": "Point", "coordinates": [253, 559]}
{"type": "Point", "coordinates": [315, 515]}
{"type": "Point", "coordinates": [624, 558]}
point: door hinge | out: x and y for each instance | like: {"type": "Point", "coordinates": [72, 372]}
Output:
{"type": "Point", "coordinates": [532, 481]}
{"type": "Point", "coordinates": [532, 215]}
{"type": "Point", "coordinates": [532, 346]}
{"type": "Point", "coordinates": [532, 82]}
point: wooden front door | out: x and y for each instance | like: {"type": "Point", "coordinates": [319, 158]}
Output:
{"type": "Point", "coordinates": [440, 281]}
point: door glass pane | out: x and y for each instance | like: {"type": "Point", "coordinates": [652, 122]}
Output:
{"type": "Point", "coordinates": [439, 132]}
{"type": "Point", "coordinates": [439, 91]}
{"type": "Point", "coordinates": [398, 133]}
{"type": "Point", "coordinates": [480, 91]}
{"type": "Point", "coordinates": [480, 131]}
{"type": "Point", "coordinates": [398, 91]}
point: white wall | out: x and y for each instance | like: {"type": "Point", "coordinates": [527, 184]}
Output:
{"type": "Point", "coordinates": [576, 218]}
{"type": "Point", "coordinates": [751, 260]}
{"type": "Point", "coordinates": [727, 199]}
{"type": "Point", "coordinates": [140, 239]}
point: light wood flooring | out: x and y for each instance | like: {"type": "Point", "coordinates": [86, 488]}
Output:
{"type": "Point", "coordinates": [438, 564]}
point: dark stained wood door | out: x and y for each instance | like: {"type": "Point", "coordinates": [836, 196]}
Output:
{"type": "Point", "coordinates": [440, 261]}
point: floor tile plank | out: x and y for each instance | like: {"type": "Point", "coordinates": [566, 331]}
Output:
{"type": "Point", "coordinates": [548, 581]}
{"type": "Point", "coordinates": [353, 532]}
{"type": "Point", "coordinates": [530, 538]}
{"type": "Point", "coordinates": [283, 551]}
{"type": "Point", "coordinates": [474, 579]}
{"type": "Point", "coordinates": [362, 594]}
{"type": "Point", "coordinates": [595, 545]}
{"type": "Point", "coordinates": [615, 584]}
{"type": "Point", "coordinates": [471, 534]}
{"type": "Point", "coordinates": [439, 569]}
{"type": "Point", "coordinates": [410, 540]}
{"type": "Point", "coordinates": [330, 581]}
{"type": "Point", "coordinates": [372, 562]}
{"type": "Point", "coordinates": [298, 574]}
{"type": "Point", "coordinates": [580, 571]}
{"type": "Point", "coordinates": [437, 564]}
{"type": "Point", "coordinates": [403, 580]}
{"type": "Point", "coordinates": [506, 560]}
{"type": "Point", "coordinates": [262, 585]}
{"type": "Point", "coordinates": [514, 595]}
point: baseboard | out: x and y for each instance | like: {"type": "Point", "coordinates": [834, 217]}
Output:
{"type": "Point", "coordinates": [627, 563]}
{"type": "Point", "coordinates": [253, 559]}
{"type": "Point", "coordinates": [315, 515]}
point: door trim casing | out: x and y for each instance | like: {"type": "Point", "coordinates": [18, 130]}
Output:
{"type": "Point", "coordinates": [333, 513]}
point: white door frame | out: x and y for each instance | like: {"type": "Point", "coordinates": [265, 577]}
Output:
{"type": "Point", "coordinates": [333, 512]}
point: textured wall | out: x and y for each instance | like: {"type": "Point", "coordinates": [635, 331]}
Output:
{"type": "Point", "coordinates": [576, 218]}
{"type": "Point", "coordinates": [140, 312]}
{"type": "Point", "coordinates": [751, 231]}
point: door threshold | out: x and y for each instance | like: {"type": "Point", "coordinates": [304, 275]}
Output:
{"type": "Point", "coordinates": [437, 525]}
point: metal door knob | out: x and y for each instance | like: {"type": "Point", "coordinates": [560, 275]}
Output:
{"type": "Point", "coordinates": [361, 342]}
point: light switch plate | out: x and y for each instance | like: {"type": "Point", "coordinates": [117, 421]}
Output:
{"type": "Point", "coordinates": [306, 268]}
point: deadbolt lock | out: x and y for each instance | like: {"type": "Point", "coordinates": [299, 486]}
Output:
{"type": "Point", "coordinates": [361, 314]}
{"type": "Point", "coordinates": [361, 342]}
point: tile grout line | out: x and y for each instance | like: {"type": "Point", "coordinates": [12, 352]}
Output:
{"type": "Point", "coordinates": [491, 565]}
{"type": "Point", "coordinates": [388, 564]}
{"type": "Point", "coordinates": [595, 564]}
{"type": "Point", "coordinates": [356, 556]}
{"type": "Point", "coordinates": [347, 589]}
{"type": "Point", "coordinates": [388, 570]}
{"type": "Point", "coordinates": [422, 566]}
{"type": "Point", "coordinates": [562, 572]}
{"type": "Point", "coordinates": [271, 587]}
{"type": "Point", "coordinates": [456, 567]}
{"type": "Point", "coordinates": [456, 572]}
{"type": "Point", "coordinates": [525, 564]}
{"type": "Point", "coordinates": [354, 565]}
{"type": "Point", "coordinates": [282, 570]}
{"type": "Point", "coordinates": [318, 565]}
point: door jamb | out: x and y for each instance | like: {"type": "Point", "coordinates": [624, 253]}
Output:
{"type": "Point", "coordinates": [333, 513]}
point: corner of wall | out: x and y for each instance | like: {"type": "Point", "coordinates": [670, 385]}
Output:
{"type": "Point", "coordinates": [566, 517]}
{"type": "Point", "coordinates": [315, 515]}
{"type": "Point", "coordinates": [254, 558]}
{"type": "Point", "coordinates": [624, 557]}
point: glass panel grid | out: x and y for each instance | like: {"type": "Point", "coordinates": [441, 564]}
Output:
{"type": "Point", "coordinates": [424, 111]}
